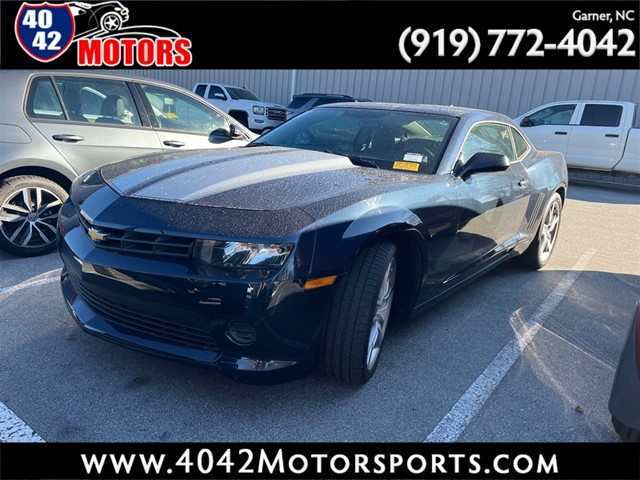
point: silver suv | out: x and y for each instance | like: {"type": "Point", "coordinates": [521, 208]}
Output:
{"type": "Point", "coordinates": [57, 125]}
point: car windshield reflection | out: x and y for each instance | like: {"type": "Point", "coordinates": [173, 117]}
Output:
{"type": "Point", "coordinates": [392, 140]}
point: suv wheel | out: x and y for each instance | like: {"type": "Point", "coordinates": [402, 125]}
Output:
{"type": "Point", "coordinates": [29, 208]}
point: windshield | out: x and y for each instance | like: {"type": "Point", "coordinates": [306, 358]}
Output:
{"type": "Point", "coordinates": [242, 94]}
{"type": "Point", "coordinates": [387, 139]}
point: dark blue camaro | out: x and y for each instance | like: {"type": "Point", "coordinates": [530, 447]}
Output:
{"type": "Point", "coordinates": [297, 250]}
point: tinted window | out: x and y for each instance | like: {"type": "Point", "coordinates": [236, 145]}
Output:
{"type": "Point", "coordinates": [213, 90]}
{"type": "Point", "coordinates": [242, 94]}
{"type": "Point", "coordinates": [555, 115]}
{"type": "Point", "coordinates": [298, 102]}
{"type": "Point", "coordinates": [200, 89]}
{"type": "Point", "coordinates": [522, 147]}
{"type": "Point", "coordinates": [176, 111]}
{"type": "Point", "coordinates": [42, 101]}
{"type": "Point", "coordinates": [326, 100]}
{"type": "Point", "coordinates": [601, 115]}
{"type": "Point", "coordinates": [392, 140]}
{"type": "Point", "coordinates": [490, 138]}
{"type": "Point", "coordinates": [98, 100]}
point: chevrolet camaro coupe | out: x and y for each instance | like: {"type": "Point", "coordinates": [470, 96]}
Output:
{"type": "Point", "coordinates": [298, 249]}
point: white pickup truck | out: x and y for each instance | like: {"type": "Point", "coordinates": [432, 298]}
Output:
{"type": "Point", "coordinates": [243, 105]}
{"type": "Point", "coordinates": [592, 134]}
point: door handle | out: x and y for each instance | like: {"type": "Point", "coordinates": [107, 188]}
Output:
{"type": "Point", "coordinates": [67, 137]}
{"type": "Point", "coordinates": [560, 133]}
{"type": "Point", "coordinates": [611, 135]}
{"type": "Point", "coordinates": [173, 143]}
{"type": "Point", "coordinates": [523, 183]}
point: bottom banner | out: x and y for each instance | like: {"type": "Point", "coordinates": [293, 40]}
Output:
{"type": "Point", "coordinates": [320, 460]}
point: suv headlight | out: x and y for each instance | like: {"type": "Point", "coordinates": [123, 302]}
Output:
{"type": "Point", "coordinates": [258, 110]}
{"type": "Point", "coordinates": [240, 254]}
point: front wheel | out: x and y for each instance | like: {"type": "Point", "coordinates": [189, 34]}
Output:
{"type": "Point", "coordinates": [537, 255]}
{"type": "Point", "coordinates": [359, 315]}
{"type": "Point", "coordinates": [29, 208]}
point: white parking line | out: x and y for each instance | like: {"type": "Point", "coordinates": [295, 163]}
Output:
{"type": "Point", "coordinates": [469, 404]}
{"type": "Point", "coordinates": [52, 276]}
{"type": "Point", "coordinates": [12, 429]}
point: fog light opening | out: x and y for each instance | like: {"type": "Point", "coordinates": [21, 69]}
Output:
{"type": "Point", "coordinates": [241, 333]}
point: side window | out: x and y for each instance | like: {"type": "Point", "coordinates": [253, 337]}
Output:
{"type": "Point", "coordinates": [522, 147]}
{"type": "Point", "coordinates": [595, 115]}
{"type": "Point", "coordinates": [488, 137]}
{"type": "Point", "coordinates": [555, 115]}
{"type": "Point", "coordinates": [200, 89]}
{"type": "Point", "coordinates": [216, 92]}
{"type": "Point", "coordinates": [176, 111]}
{"type": "Point", "coordinates": [98, 100]}
{"type": "Point", "coordinates": [42, 101]}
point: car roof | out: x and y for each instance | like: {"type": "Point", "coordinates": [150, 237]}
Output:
{"type": "Point", "coordinates": [23, 75]}
{"type": "Point", "coordinates": [330, 95]}
{"type": "Point", "coordinates": [450, 110]}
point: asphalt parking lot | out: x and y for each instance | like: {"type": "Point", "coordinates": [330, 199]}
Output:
{"type": "Point", "coordinates": [516, 356]}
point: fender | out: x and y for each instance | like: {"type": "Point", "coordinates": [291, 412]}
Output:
{"type": "Point", "coordinates": [23, 166]}
{"type": "Point", "coordinates": [333, 257]}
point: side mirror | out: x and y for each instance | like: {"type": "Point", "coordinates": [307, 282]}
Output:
{"type": "Point", "coordinates": [526, 122]}
{"type": "Point", "coordinates": [219, 96]}
{"type": "Point", "coordinates": [235, 132]}
{"type": "Point", "coordinates": [481, 162]}
{"type": "Point", "coordinates": [220, 135]}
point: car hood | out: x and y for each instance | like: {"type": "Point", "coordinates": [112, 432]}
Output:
{"type": "Point", "coordinates": [253, 178]}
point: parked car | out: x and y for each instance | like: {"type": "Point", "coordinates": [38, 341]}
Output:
{"type": "Point", "coordinates": [57, 125]}
{"type": "Point", "coordinates": [243, 105]}
{"type": "Point", "coordinates": [624, 403]}
{"type": "Point", "coordinates": [590, 133]}
{"type": "Point", "coordinates": [305, 101]}
{"type": "Point", "coordinates": [298, 249]}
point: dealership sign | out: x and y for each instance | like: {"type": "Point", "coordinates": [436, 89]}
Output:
{"type": "Point", "coordinates": [103, 34]}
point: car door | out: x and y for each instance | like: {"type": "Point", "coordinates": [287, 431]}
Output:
{"type": "Point", "coordinates": [598, 139]}
{"type": "Point", "coordinates": [550, 127]}
{"type": "Point", "coordinates": [185, 122]}
{"type": "Point", "coordinates": [491, 205]}
{"type": "Point", "coordinates": [89, 120]}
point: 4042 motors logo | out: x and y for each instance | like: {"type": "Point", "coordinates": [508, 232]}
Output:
{"type": "Point", "coordinates": [102, 35]}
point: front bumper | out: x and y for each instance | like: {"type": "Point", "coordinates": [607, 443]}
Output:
{"type": "Point", "coordinates": [166, 308]}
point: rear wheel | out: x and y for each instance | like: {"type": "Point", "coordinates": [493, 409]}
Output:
{"type": "Point", "coordinates": [359, 315]}
{"type": "Point", "coordinates": [537, 255]}
{"type": "Point", "coordinates": [29, 208]}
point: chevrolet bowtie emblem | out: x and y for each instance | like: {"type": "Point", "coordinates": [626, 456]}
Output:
{"type": "Point", "coordinates": [96, 235]}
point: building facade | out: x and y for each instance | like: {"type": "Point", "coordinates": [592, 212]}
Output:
{"type": "Point", "coordinates": [511, 92]}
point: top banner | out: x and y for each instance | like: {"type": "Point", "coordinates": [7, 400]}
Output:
{"type": "Point", "coordinates": [336, 35]}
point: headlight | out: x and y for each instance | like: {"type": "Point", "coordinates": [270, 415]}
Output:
{"type": "Point", "coordinates": [258, 110]}
{"type": "Point", "coordinates": [239, 254]}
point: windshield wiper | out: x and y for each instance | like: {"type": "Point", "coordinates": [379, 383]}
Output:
{"type": "Point", "coordinates": [362, 161]}
{"type": "Point", "coordinates": [260, 144]}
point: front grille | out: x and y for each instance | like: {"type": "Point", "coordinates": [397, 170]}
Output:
{"type": "Point", "coordinates": [135, 242]}
{"type": "Point", "coordinates": [276, 114]}
{"type": "Point", "coordinates": [162, 329]}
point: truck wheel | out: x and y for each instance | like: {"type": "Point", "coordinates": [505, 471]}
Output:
{"type": "Point", "coordinates": [358, 317]}
{"type": "Point", "coordinates": [241, 117]}
{"type": "Point", "coordinates": [537, 254]}
{"type": "Point", "coordinates": [29, 208]}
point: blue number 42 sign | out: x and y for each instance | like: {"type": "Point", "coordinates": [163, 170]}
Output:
{"type": "Point", "coordinates": [44, 30]}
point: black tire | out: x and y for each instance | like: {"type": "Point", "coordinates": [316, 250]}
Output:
{"type": "Point", "coordinates": [29, 229]}
{"type": "Point", "coordinates": [345, 352]}
{"type": "Point", "coordinates": [241, 117]}
{"type": "Point", "coordinates": [539, 252]}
